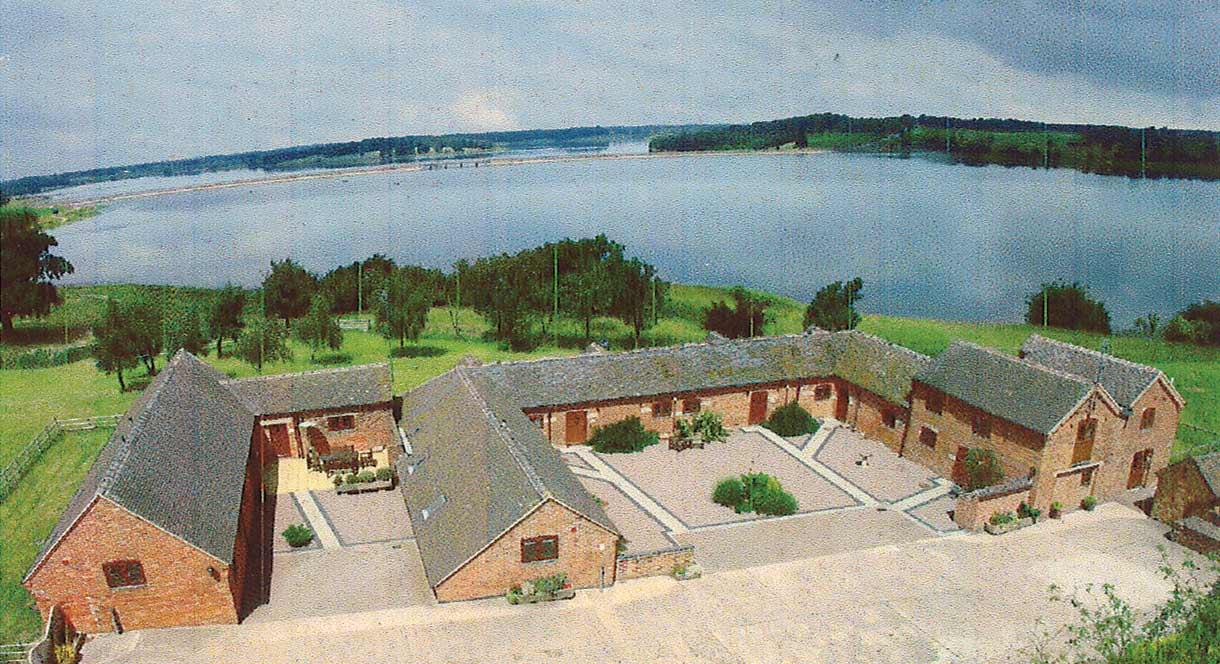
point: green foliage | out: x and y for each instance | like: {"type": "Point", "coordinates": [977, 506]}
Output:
{"type": "Point", "coordinates": [384, 473]}
{"type": "Point", "coordinates": [114, 349]}
{"type": "Point", "coordinates": [319, 328]}
{"type": "Point", "coordinates": [624, 436]}
{"type": "Point", "coordinates": [366, 476]}
{"type": "Point", "coordinates": [1088, 502]}
{"type": "Point", "coordinates": [263, 340]}
{"type": "Point", "coordinates": [834, 306]}
{"type": "Point", "coordinates": [1197, 324]}
{"type": "Point", "coordinates": [1002, 518]}
{"type": "Point", "coordinates": [403, 303]}
{"type": "Point", "coordinates": [184, 328]}
{"type": "Point", "coordinates": [729, 492]}
{"type": "Point", "coordinates": [1025, 511]}
{"type": "Point", "coordinates": [982, 468]}
{"type": "Point", "coordinates": [746, 318]}
{"type": "Point", "coordinates": [287, 290]}
{"type": "Point", "coordinates": [354, 287]}
{"type": "Point", "coordinates": [1181, 330]}
{"type": "Point", "coordinates": [707, 425]}
{"type": "Point", "coordinates": [27, 267]}
{"type": "Point", "coordinates": [225, 315]}
{"type": "Point", "coordinates": [42, 358]}
{"type": "Point", "coordinates": [791, 419]}
{"type": "Point", "coordinates": [549, 585]}
{"type": "Point", "coordinates": [417, 351]}
{"type": "Point", "coordinates": [1068, 306]}
{"type": "Point", "coordinates": [298, 535]}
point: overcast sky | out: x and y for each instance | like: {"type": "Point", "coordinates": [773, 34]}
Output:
{"type": "Point", "coordinates": [87, 84]}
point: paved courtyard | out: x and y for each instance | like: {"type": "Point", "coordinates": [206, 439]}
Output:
{"type": "Point", "coordinates": [641, 530]}
{"type": "Point", "coordinates": [960, 598]}
{"type": "Point", "coordinates": [378, 516]}
{"type": "Point", "coordinates": [872, 466]}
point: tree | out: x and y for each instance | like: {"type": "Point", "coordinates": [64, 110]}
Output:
{"type": "Point", "coordinates": [319, 328]}
{"type": "Point", "coordinates": [638, 295]}
{"type": "Point", "coordinates": [144, 314]}
{"type": "Point", "coordinates": [402, 308]}
{"type": "Point", "coordinates": [1067, 306]}
{"type": "Point", "coordinates": [744, 319]}
{"type": "Point", "coordinates": [113, 347]}
{"type": "Point", "coordinates": [27, 267]}
{"type": "Point", "coordinates": [1148, 326]}
{"type": "Point", "coordinates": [288, 290]}
{"type": "Point", "coordinates": [1206, 316]}
{"type": "Point", "coordinates": [982, 468]}
{"type": "Point", "coordinates": [224, 317]}
{"type": "Point", "coordinates": [790, 420]}
{"type": "Point", "coordinates": [184, 328]}
{"type": "Point", "coordinates": [263, 340]}
{"type": "Point", "coordinates": [834, 306]}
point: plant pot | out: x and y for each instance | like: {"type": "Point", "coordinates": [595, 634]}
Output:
{"type": "Point", "coordinates": [361, 487]}
{"type": "Point", "coordinates": [993, 529]}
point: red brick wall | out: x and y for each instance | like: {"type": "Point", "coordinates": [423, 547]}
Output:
{"type": "Point", "coordinates": [375, 426]}
{"type": "Point", "coordinates": [972, 513]}
{"type": "Point", "coordinates": [654, 563]}
{"type": "Point", "coordinates": [179, 588]}
{"type": "Point", "coordinates": [1119, 453]}
{"type": "Point", "coordinates": [866, 412]}
{"type": "Point", "coordinates": [585, 550]}
{"type": "Point", "coordinates": [251, 570]}
{"type": "Point", "coordinates": [1182, 492]}
{"type": "Point", "coordinates": [1057, 457]}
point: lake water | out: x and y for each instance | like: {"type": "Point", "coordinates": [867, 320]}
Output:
{"type": "Point", "coordinates": [930, 239]}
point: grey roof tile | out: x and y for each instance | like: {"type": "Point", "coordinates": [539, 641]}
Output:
{"type": "Point", "coordinates": [1209, 468]}
{"type": "Point", "coordinates": [316, 390]}
{"type": "Point", "coordinates": [1124, 380]}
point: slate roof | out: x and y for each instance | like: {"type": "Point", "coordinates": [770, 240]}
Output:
{"type": "Point", "coordinates": [718, 363]}
{"type": "Point", "coordinates": [475, 447]}
{"type": "Point", "coordinates": [176, 459]}
{"type": "Point", "coordinates": [1209, 468]}
{"type": "Point", "coordinates": [1017, 390]}
{"type": "Point", "coordinates": [316, 390]}
{"type": "Point", "coordinates": [1124, 380]}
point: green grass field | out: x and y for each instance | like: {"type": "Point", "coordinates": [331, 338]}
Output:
{"type": "Point", "coordinates": [29, 398]}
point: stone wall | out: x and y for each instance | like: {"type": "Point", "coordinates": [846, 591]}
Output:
{"type": "Point", "coordinates": [586, 555]}
{"type": "Point", "coordinates": [974, 509]}
{"type": "Point", "coordinates": [183, 585]}
{"type": "Point", "coordinates": [866, 412]}
{"type": "Point", "coordinates": [654, 563]}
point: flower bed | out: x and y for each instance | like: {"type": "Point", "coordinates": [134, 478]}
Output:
{"type": "Point", "coordinates": [368, 480]}
{"type": "Point", "coordinates": [545, 589]}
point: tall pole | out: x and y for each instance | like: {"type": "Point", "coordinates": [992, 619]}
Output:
{"type": "Point", "coordinates": [1143, 153]}
{"type": "Point", "coordinates": [1045, 293]}
{"type": "Point", "coordinates": [360, 287]}
{"type": "Point", "coordinates": [554, 293]}
{"type": "Point", "coordinates": [1046, 147]}
{"type": "Point", "coordinates": [947, 134]}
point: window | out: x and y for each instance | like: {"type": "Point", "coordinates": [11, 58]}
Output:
{"type": "Point", "coordinates": [341, 422]}
{"type": "Point", "coordinates": [981, 426]}
{"type": "Point", "coordinates": [663, 408]}
{"type": "Point", "coordinates": [889, 419]}
{"type": "Point", "coordinates": [935, 402]}
{"type": "Point", "coordinates": [1148, 419]}
{"type": "Point", "coordinates": [123, 573]}
{"type": "Point", "coordinates": [535, 549]}
{"type": "Point", "coordinates": [821, 392]}
{"type": "Point", "coordinates": [433, 507]}
{"type": "Point", "coordinates": [691, 405]}
{"type": "Point", "coordinates": [927, 436]}
{"type": "Point", "coordinates": [1086, 477]}
{"type": "Point", "coordinates": [1085, 433]}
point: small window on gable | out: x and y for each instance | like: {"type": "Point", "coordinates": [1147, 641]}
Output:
{"type": "Point", "coordinates": [691, 405]}
{"type": "Point", "coordinates": [663, 408]}
{"type": "Point", "coordinates": [927, 436]}
{"type": "Point", "coordinates": [535, 549]}
{"type": "Point", "coordinates": [123, 573]}
{"type": "Point", "coordinates": [1148, 418]}
{"type": "Point", "coordinates": [981, 426]}
{"type": "Point", "coordinates": [821, 392]}
{"type": "Point", "coordinates": [935, 402]}
{"type": "Point", "coordinates": [341, 422]}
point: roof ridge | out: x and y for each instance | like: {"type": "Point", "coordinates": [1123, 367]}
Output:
{"type": "Point", "coordinates": [1028, 363]}
{"type": "Point", "coordinates": [647, 350]}
{"type": "Point", "coordinates": [1089, 351]}
{"type": "Point", "coordinates": [496, 424]}
{"type": "Point", "coordinates": [886, 342]}
{"type": "Point", "coordinates": [311, 372]}
{"type": "Point", "coordinates": [138, 422]}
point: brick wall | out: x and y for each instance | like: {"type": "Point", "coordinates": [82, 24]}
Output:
{"type": "Point", "coordinates": [1057, 457]}
{"type": "Point", "coordinates": [1181, 492]}
{"type": "Point", "coordinates": [250, 577]}
{"type": "Point", "coordinates": [374, 426]}
{"type": "Point", "coordinates": [654, 563]}
{"type": "Point", "coordinates": [1195, 541]}
{"type": "Point", "coordinates": [973, 510]}
{"type": "Point", "coordinates": [179, 588]}
{"type": "Point", "coordinates": [1119, 453]}
{"type": "Point", "coordinates": [586, 551]}
{"type": "Point", "coordinates": [866, 412]}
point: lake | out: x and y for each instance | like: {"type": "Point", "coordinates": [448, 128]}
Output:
{"type": "Point", "coordinates": [930, 239]}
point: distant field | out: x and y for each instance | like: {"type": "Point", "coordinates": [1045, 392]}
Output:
{"type": "Point", "coordinates": [52, 217]}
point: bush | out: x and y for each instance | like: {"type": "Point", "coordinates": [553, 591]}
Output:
{"type": "Point", "coordinates": [1182, 330]}
{"type": "Point", "coordinates": [775, 502]}
{"type": "Point", "coordinates": [791, 420]}
{"type": "Point", "coordinates": [384, 474]}
{"type": "Point", "coordinates": [550, 584]}
{"type": "Point", "coordinates": [339, 479]}
{"type": "Point", "coordinates": [298, 535]}
{"type": "Point", "coordinates": [416, 351]}
{"type": "Point", "coordinates": [1001, 518]}
{"type": "Point", "coordinates": [1025, 511]}
{"type": "Point", "coordinates": [982, 469]}
{"type": "Point", "coordinates": [1069, 306]}
{"type": "Point", "coordinates": [627, 435]}
{"type": "Point", "coordinates": [1088, 503]}
{"type": "Point", "coordinates": [366, 477]}
{"type": "Point", "coordinates": [729, 492]}
{"type": "Point", "coordinates": [710, 426]}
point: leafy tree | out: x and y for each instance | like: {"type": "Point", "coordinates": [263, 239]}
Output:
{"type": "Point", "coordinates": [791, 419]}
{"type": "Point", "coordinates": [1067, 306]}
{"type": "Point", "coordinates": [1206, 316]}
{"type": "Point", "coordinates": [1148, 326]}
{"type": "Point", "coordinates": [263, 340]}
{"type": "Point", "coordinates": [184, 328]}
{"type": "Point", "coordinates": [402, 307]}
{"type": "Point", "coordinates": [113, 348]}
{"type": "Point", "coordinates": [319, 328]}
{"type": "Point", "coordinates": [145, 316]}
{"type": "Point", "coordinates": [627, 435]}
{"type": "Point", "coordinates": [288, 290]}
{"type": "Point", "coordinates": [27, 267]}
{"type": "Point", "coordinates": [1180, 330]}
{"type": "Point", "coordinates": [982, 468]}
{"type": "Point", "coordinates": [225, 315]}
{"type": "Point", "coordinates": [744, 319]}
{"type": "Point", "coordinates": [834, 306]}
{"type": "Point", "coordinates": [729, 492]}
{"type": "Point", "coordinates": [638, 295]}
{"type": "Point", "coordinates": [351, 287]}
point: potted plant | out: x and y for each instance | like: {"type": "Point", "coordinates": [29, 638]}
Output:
{"type": "Point", "coordinates": [1003, 522]}
{"type": "Point", "coordinates": [1025, 511]}
{"type": "Point", "coordinates": [1089, 503]}
{"type": "Point", "coordinates": [687, 571]}
{"type": "Point", "coordinates": [1056, 510]}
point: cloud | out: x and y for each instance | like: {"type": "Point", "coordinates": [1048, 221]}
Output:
{"type": "Point", "coordinates": [484, 110]}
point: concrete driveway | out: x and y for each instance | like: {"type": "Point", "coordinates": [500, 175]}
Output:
{"type": "Point", "coordinates": [960, 598]}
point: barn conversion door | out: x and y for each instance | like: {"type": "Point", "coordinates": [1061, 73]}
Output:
{"type": "Point", "coordinates": [281, 445]}
{"type": "Point", "coordinates": [1139, 469]}
{"type": "Point", "coordinates": [575, 426]}
{"type": "Point", "coordinates": [758, 407]}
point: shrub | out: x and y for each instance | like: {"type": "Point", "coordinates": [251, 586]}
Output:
{"type": "Point", "coordinates": [791, 420]}
{"type": "Point", "coordinates": [729, 492]}
{"type": "Point", "coordinates": [1088, 503]}
{"type": "Point", "coordinates": [339, 479]}
{"type": "Point", "coordinates": [982, 468]}
{"type": "Point", "coordinates": [627, 435]}
{"type": "Point", "coordinates": [385, 473]}
{"type": "Point", "coordinates": [351, 478]}
{"type": "Point", "coordinates": [550, 584]}
{"type": "Point", "coordinates": [366, 477]}
{"type": "Point", "coordinates": [514, 595]}
{"type": "Point", "coordinates": [1001, 518]}
{"type": "Point", "coordinates": [710, 426]}
{"type": "Point", "coordinates": [1025, 511]}
{"type": "Point", "coordinates": [1069, 306]}
{"type": "Point", "coordinates": [775, 502]}
{"type": "Point", "coordinates": [65, 653]}
{"type": "Point", "coordinates": [298, 535]}
{"type": "Point", "coordinates": [416, 351]}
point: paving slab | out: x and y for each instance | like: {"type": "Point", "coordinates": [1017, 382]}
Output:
{"type": "Point", "coordinates": [364, 518]}
{"type": "Point", "coordinates": [884, 475]}
{"type": "Point", "coordinates": [287, 513]}
{"type": "Point", "coordinates": [642, 530]}
{"type": "Point", "coordinates": [935, 514]}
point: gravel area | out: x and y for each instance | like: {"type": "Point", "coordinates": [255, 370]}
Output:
{"type": "Point", "coordinates": [287, 512]}
{"type": "Point", "coordinates": [643, 532]}
{"type": "Point", "coordinates": [936, 513]}
{"type": "Point", "coordinates": [887, 477]}
{"type": "Point", "coordinates": [682, 482]}
{"type": "Point", "coordinates": [378, 516]}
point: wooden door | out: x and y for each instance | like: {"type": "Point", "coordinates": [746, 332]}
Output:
{"type": "Point", "coordinates": [841, 401]}
{"type": "Point", "coordinates": [959, 467]}
{"type": "Point", "coordinates": [1139, 469]}
{"type": "Point", "coordinates": [758, 407]}
{"type": "Point", "coordinates": [576, 427]}
{"type": "Point", "coordinates": [281, 444]}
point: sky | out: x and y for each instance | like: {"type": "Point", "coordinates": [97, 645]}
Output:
{"type": "Point", "coordinates": [89, 84]}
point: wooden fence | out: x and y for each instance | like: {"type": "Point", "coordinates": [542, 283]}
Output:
{"type": "Point", "coordinates": [50, 434]}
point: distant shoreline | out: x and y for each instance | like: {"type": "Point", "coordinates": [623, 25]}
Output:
{"type": "Point", "coordinates": [414, 167]}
